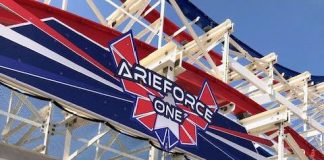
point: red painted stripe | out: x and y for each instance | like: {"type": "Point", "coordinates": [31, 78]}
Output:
{"type": "Point", "coordinates": [191, 129]}
{"type": "Point", "coordinates": [143, 106]}
{"type": "Point", "coordinates": [23, 13]}
{"type": "Point", "coordinates": [184, 137]}
{"type": "Point", "coordinates": [8, 18]}
{"type": "Point", "coordinates": [194, 117]}
{"type": "Point", "coordinates": [242, 135]}
{"type": "Point", "coordinates": [196, 78]}
{"type": "Point", "coordinates": [126, 49]}
{"type": "Point", "coordinates": [135, 88]}
{"type": "Point", "coordinates": [148, 121]}
{"type": "Point", "coordinates": [309, 149]}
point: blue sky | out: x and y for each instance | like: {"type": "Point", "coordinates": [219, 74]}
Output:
{"type": "Point", "coordinates": [294, 29]}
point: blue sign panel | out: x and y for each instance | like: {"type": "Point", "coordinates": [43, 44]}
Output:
{"type": "Point", "coordinates": [126, 93]}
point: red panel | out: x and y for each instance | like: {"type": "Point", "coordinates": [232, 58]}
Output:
{"type": "Point", "coordinates": [194, 117]}
{"type": "Point", "coordinates": [190, 128]}
{"type": "Point", "coordinates": [148, 121]}
{"type": "Point", "coordinates": [8, 18]}
{"type": "Point", "coordinates": [198, 121]}
{"type": "Point", "coordinates": [207, 96]}
{"type": "Point", "coordinates": [25, 14]}
{"type": "Point", "coordinates": [135, 88]}
{"type": "Point", "coordinates": [196, 78]}
{"type": "Point", "coordinates": [116, 56]}
{"type": "Point", "coordinates": [184, 137]}
{"type": "Point", "coordinates": [93, 30]}
{"type": "Point", "coordinates": [309, 149]}
{"type": "Point", "coordinates": [242, 135]}
{"type": "Point", "coordinates": [126, 48]}
{"type": "Point", "coordinates": [145, 107]}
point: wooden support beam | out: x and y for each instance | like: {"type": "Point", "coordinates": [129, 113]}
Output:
{"type": "Point", "coordinates": [296, 149]}
{"type": "Point", "coordinates": [266, 121]}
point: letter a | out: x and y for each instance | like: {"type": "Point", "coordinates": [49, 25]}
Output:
{"type": "Point", "coordinates": [124, 70]}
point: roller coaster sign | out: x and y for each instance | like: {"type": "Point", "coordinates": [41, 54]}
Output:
{"type": "Point", "coordinates": [161, 105]}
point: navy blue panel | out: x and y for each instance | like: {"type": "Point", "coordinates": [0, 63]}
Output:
{"type": "Point", "coordinates": [221, 121]}
{"type": "Point", "coordinates": [229, 150]}
{"type": "Point", "coordinates": [42, 38]}
{"type": "Point", "coordinates": [21, 54]}
{"type": "Point", "coordinates": [95, 51]}
{"type": "Point", "coordinates": [263, 152]}
{"type": "Point", "coordinates": [81, 85]}
{"type": "Point", "coordinates": [24, 60]}
{"type": "Point", "coordinates": [206, 23]}
{"type": "Point", "coordinates": [115, 109]}
{"type": "Point", "coordinates": [121, 112]}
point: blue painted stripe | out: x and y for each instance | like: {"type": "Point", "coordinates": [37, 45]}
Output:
{"type": "Point", "coordinates": [222, 121]}
{"type": "Point", "coordinates": [42, 74]}
{"type": "Point", "coordinates": [263, 152]}
{"type": "Point", "coordinates": [21, 54]}
{"type": "Point", "coordinates": [97, 52]}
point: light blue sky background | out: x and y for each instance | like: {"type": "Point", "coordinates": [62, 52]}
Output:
{"type": "Point", "coordinates": [294, 29]}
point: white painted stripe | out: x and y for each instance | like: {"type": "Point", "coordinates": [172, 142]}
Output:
{"type": "Point", "coordinates": [82, 35]}
{"type": "Point", "coordinates": [238, 147]}
{"type": "Point", "coordinates": [145, 114]}
{"type": "Point", "coordinates": [28, 43]}
{"type": "Point", "coordinates": [66, 84]}
{"type": "Point", "coordinates": [133, 47]}
{"type": "Point", "coordinates": [58, 21]}
{"type": "Point", "coordinates": [215, 145]}
{"type": "Point", "coordinates": [58, 39]}
{"type": "Point", "coordinates": [20, 24]}
{"type": "Point", "coordinates": [191, 139]}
